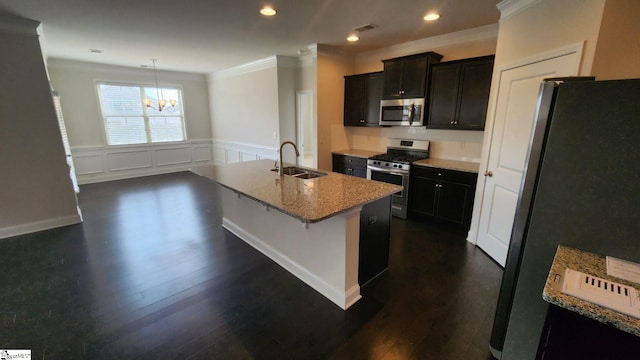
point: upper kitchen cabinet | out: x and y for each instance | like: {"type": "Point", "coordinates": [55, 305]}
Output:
{"type": "Point", "coordinates": [459, 94]}
{"type": "Point", "coordinates": [407, 76]}
{"type": "Point", "coordinates": [362, 95]}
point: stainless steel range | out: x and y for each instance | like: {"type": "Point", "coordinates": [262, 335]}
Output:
{"type": "Point", "coordinates": [394, 166]}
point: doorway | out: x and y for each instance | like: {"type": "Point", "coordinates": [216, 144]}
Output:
{"type": "Point", "coordinates": [305, 128]}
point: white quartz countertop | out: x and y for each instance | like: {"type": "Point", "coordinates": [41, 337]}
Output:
{"type": "Point", "coordinates": [310, 200]}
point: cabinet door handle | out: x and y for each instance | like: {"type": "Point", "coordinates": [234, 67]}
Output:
{"type": "Point", "coordinates": [488, 173]}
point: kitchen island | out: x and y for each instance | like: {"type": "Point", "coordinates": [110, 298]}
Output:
{"type": "Point", "coordinates": [310, 227]}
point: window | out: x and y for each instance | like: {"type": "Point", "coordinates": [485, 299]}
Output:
{"type": "Point", "coordinates": [128, 121]}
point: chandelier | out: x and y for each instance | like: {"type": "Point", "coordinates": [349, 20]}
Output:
{"type": "Point", "coordinates": [162, 103]}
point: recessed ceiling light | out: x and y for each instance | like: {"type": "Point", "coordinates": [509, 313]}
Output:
{"type": "Point", "coordinates": [267, 11]}
{"type": "Point", "coordinates": [431, 17]}
{"type": "Point", "coordinates": [353, 37]}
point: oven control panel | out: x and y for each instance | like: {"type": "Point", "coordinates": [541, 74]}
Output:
{"type": "Point", "coordinates": [389, 165]}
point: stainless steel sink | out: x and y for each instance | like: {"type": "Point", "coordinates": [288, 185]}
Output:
{"type": "Point", "coordinates": [301, 173]}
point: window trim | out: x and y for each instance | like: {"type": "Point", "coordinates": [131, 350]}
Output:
{"type": "Point", "coordinates": [141, 85]}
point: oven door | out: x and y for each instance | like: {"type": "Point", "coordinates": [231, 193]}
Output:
{"type": "Point", "coordinates": [391, 177]}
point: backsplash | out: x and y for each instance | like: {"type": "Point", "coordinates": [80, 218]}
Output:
{"type": "Point", "coordinates": [445, 144]}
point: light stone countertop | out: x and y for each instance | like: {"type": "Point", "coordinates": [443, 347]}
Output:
{"type": "Point", "coordinates": [358, 153]}
{"type": "Point", "coordinates": [310, 201]}
{"type": "Point", "coordinates": [449, 164]}
{"type": "Point", "coordinates": [594, 265]}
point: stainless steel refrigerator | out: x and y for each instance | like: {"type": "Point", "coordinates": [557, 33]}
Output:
{"type": "Point", "coordinates": [581, 188]}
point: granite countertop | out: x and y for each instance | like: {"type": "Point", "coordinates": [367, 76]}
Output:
{"type": "Point", "coordinates": [310, 200]}
{"type": "Point", "coordinates": [449, 164]}
{"type": "Point", "coordinates": [358, 153]}
{"type": "Point", "coordinates": [594, 265]}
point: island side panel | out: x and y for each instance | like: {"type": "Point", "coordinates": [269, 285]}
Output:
{"type": "Point", "coordinates": [375, 233]}
{"type": "Point", "coordinates": [324, 255]}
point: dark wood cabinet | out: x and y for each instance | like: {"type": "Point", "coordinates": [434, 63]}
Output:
{"type": "Point", "coordinates": [362, 95]}
{"type": "Point", "coordinates": [407, 76]}
{"type": "Point", "coordinates": [350, 165]}
{"type": "Point", "coordinates": [375, 231]}
{"type": "Point", "coordinates": [442, 194]}
{"type": "Point", "coordinates": [459, 94]}
{"type": "Point", "coordinates": [568, 335]}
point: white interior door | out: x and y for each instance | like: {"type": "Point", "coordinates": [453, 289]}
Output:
{"type": "Point", "coordinates": [512, 125]}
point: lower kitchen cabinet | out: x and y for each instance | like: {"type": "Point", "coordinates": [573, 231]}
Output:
{"type": "Point", "coordinates": [350, 165]}
{"type": "Point", "coordinates": [442, 194]}
{"type": "Point", "coordinates": [568, 335]}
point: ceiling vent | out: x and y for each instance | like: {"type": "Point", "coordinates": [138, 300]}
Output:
{"type": "Point", "coordinates": [365, 27]}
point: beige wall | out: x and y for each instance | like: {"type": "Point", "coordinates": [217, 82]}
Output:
{"type": "Point", "coordinates": [459, 45]}
{"type": "Point", "coordinates": [286, 98]}
{"type": "Point", "coordinates": [36, 192]}
{"type": "Point", "coordinates": [549, 25]}
{"type": "Point", "coordinates": [244, 106]}
{"type": "Point", "coordinates": [332, 67]}
{"type": "Point", "coordinates": [618, 52]}
{"type": "Point", "coordinates": [76, 83]}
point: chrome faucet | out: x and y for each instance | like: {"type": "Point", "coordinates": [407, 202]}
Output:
{"type": "Point", "coordinates": [281, 171]}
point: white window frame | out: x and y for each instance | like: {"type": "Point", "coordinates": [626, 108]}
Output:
{"type": "Point", "coordinates": [145, 114]}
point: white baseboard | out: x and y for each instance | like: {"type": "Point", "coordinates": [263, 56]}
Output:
{"type": "Point", "coordinates": [342, 299]}
{"type": "Point", "coordinates": [34, 226]}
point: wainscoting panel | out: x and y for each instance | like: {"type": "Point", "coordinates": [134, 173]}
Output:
{"type": "Point", "coordinates": [202, 153]}
{"type": "Point", "coordinates": [105, 163]}
{"type": "Point", "coordinates": [88, 164]}
{"type": "Point", "coordinates": [173, 156]}
{"type": "Point", "coordinates": [129, 159]}
{"type": "Point", "coordinates": [227, 152]}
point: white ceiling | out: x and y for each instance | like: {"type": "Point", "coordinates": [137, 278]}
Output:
{"type": "Point", "coordinates": [204, 36]}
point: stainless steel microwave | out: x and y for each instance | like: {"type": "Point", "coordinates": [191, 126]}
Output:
{"type": "Point", "coordinates": [402, 112]}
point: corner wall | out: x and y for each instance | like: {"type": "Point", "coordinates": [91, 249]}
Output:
{"type": "Point", "coordinates": [618, 52]}
{"type": "Point", "coordinates": [332, 67]}
{"type": "Point", "coordinates": [36, 191]}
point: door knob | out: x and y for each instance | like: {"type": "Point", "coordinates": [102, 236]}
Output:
{"type": "Point", "coordinates": [488, 173]}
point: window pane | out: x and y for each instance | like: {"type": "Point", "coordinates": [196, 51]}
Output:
{"type": "Point", "coordinates": [125, 130]}
{"type": "Point", "coordinates": [166, 128]}
{"type": "Point", "coordinates": [118, 100]}
{"type": "Point", "coordinates": [165, 94]}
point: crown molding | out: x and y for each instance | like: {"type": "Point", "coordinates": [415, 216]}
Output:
{"type": "Point", "coordinates": [509, 8]}
{"type": "Point", "coordinates": [76, 65]}
{"type": "Point", "coordinates": [417, 46]}
{"type": "Point", "coordinates": [258, 65]}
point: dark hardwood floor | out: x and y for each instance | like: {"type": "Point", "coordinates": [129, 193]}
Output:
{"type": "Point", "coordinates": [151, 274]}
